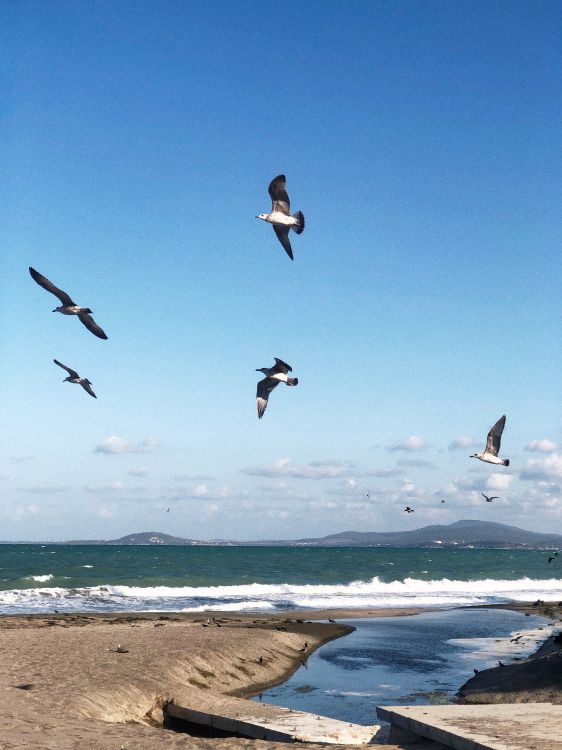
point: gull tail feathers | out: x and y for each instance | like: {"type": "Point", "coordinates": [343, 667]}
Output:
{"type": "Point", "coordinates": [299, 228]}
{"type": "Point", "coordinates": [506, 462]}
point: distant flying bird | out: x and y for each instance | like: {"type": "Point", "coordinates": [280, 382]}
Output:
{"type": "Point", "coordinates": [68, 307]}
{"type": "Point", "coordinates": [281, 217]}
{"type": "Point", "coordinates": [493, 442]}
{"type": "Point", "coordinates": [553, 557]}
{"type": "Point", "coordinates": [407, 509]}
{"type": "Point", "coordinates": [489, 499]}
{"type": "Point", "coordinates": [73, 377]}
{"type": "Point", "coordinates": [442, 501]}
{"type": "Point", "coordinates": [273, 376]}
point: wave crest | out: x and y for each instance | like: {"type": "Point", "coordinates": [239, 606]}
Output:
{"type": "Point", "coordinates": [410, 592]}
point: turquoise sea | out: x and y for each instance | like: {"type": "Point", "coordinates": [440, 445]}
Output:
{"type": "Point", "coordinates": [105, 578]}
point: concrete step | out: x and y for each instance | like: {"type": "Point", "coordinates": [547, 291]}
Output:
{"type": "Point", "coordinates": [506, 726]}
{"type": "Point", "coordinates": [235, 716]}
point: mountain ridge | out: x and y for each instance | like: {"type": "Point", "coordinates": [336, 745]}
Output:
{"type": "Point", "coordinates": [465, 533]}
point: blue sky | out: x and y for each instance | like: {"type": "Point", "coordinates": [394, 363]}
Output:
{"type": "Point", "coordinates": [422, 142]}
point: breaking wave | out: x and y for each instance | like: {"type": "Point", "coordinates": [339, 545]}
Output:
{"type": "Point", "coordinates": [410, 592]}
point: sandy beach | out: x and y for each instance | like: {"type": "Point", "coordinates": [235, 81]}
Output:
{"type": "Point", "coordinates": [65, 686]}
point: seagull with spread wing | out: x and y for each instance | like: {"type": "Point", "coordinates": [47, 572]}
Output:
{"type": "Point", "coordinates": [68, 306]}
{"type": "Point", "coordinates": [279, 373]}
{"type": "Point", "coordinates": [489, 499]}
{"type": "Point", "coordinates": [73, 377]}
{"type": "Point", "coordinates": [281, 217]}
{"type": "Point", "coordinates": [493, 443]}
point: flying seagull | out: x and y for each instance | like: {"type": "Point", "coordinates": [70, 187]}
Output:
{"type": "Point", "coordinates": [68, 307]}
{"type": "Point", "coordinates": [492, 449]}
{"type": "Point", "coordinates": [281, 217]}
{"type": "Point", "coordinates": [489, 499]}
{"type": "Point", "coordinates": [273, 376]}
{"type": "Point", "coordinates": [73, 377]}
{"type": "Point", "coordinates": [407, 509]}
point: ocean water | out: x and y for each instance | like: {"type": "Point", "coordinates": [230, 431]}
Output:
{"type": "Point", "coordinates": [108, 578]}
{"type": "Point", "coordinates": [423, 659]}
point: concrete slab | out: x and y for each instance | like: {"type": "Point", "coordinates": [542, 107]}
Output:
{"type": "Point", "coordinates": [507, 726]}
{"type": "Point", "coordinates": [264, 721]}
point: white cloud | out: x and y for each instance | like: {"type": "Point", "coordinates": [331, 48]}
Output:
{"type": "Point", "coordinates": [416, 463]}
{"type": "Point", "coordinates": [410, 444]}
{"type": "Point", "coordinates": [201, 490]}
{"type": "Point", "coordinates": [116, 446]}
{"type": "Point", "coordinates": [137, 471]}
{"type": "Point", "coordinates": [106, 513]}
{"type": "Point", "coordinates": [285, 468]}
{"type": "Point", "coordinates": [541, 446]}
{"type": "Point", "coordinates": [498, 481]}
{"type": "Point", "coordinates": [461, 442]}
{"type": "Point", "coordinates": [546, 469]}
{"type": "Point", "coordinates": [384, 473]}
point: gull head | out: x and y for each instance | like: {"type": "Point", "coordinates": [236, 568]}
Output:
{"type": "Point", "coordinates": [262, 216]}
{"type": "Point", "coordinates": [262, 369]}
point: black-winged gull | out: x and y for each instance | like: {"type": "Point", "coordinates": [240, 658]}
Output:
{"type": "Point", "coordinates": [490, 455]}
{"type": "Point", "coordinates": [73, 377]}
{"type": "Point", "coordinates": [281, 218]}
{"type": "Point", "coordinates": [273, 376]}
{"type": "Point", "coordinates": [68, 306]}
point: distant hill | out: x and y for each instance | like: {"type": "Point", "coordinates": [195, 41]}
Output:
{"type": "Point", "coordinates": [143, 537]}
{"type": "Point", "coordinates": [481, 534]}
{"type": "Point", "coordinates": [478, 534]}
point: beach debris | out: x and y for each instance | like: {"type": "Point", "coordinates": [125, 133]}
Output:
{"type": "Point", "coordinates": [476, 671]}
{"type": "Point", "coordinates": [489, 499]}
{"type": "Point", "coordinates": [281, 218]}
{"type": "Point", "coordinates": [501, 664]}
{"type": "Point", "coordinates": [305, 646]}
{"type": "Point", "coordinates": [25, 686]}
{"type": "Point", "coordinates": [329, 620]}
{"type": "Point", "coordinates": [120, 649]}
{"type": "Point", "coordinates": [73, 377]}
{"type": "Point", "coordinates": [493, 442]}
{"type": "Point", "coordinates": [273, 376]}
{"type": "Point", "coordinates": [68, 306]}
{"type": "Point", "coordinates": [407, 509]}
{"type": "Point", "coordinates": [260, 660]}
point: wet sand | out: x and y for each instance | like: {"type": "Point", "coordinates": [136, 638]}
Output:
{"type": "Point", "coordinates": [537, 679]}
{"type": "Point", "coordinates": [63, 685]}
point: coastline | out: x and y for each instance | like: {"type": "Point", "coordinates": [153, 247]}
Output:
{"type": "Point", "coordinates": [64, 686]}
{"type": "Point", "coordinates": [537, 679]}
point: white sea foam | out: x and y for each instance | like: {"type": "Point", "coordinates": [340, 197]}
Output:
{"type": "Point", "coordinates": [40, 579]}
{"type": "Point", "coordinates": [410, 592]}
{"type": "Point", "coordinates": [87, 566]}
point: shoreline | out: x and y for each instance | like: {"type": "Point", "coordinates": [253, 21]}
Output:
{"type": "Point", "coordinates": [63, 685]}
